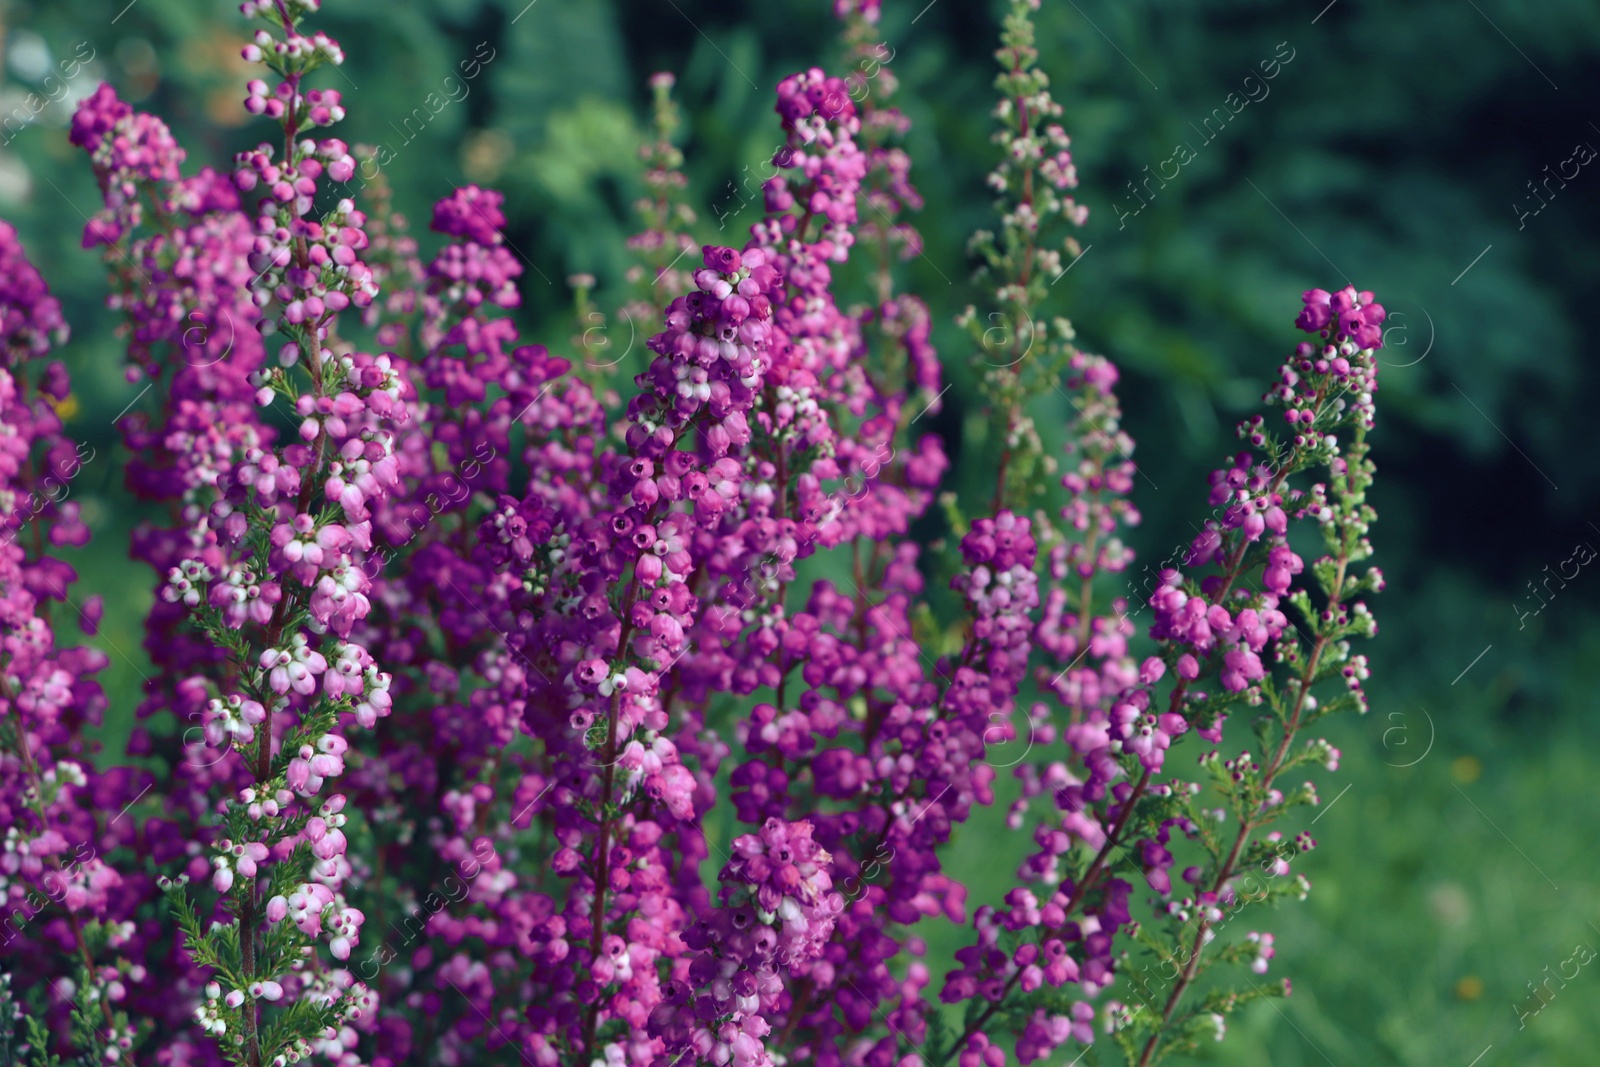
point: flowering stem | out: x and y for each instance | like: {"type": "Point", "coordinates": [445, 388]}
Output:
{"type": "Point", "coordinates": [1246, 827]}
{"type": "Point", "coordinates": [1025, 202]}
{"type": "Point", "coordinates": [32, 768]}
{"type": "Point", "coordinates": [1247, 823]}
{"type": "Point", "coordinates": [1097, 867]}
{"type": "Point", "coordinates": [1090, 877]}
{"type": "Point", "coordinates": [603, 857]}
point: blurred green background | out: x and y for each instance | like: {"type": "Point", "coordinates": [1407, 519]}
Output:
{"type": "Point", "coordinates": [1402, 144]}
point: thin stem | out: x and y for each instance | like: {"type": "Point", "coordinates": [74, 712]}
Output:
{"type": "Point", "coordinates": [88, 963]}
{"type": "Point", "coordinates": [247, 951]}
{"type": "Point", "coordinates": [32, 768]}
{"type": "Point", "coordinates": [1022, 275]}
{"type": "Point", "coordinates": [602, 879]}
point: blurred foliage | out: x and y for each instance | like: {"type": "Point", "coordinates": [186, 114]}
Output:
{"type": "Point", "coordinates": [1399, 143]}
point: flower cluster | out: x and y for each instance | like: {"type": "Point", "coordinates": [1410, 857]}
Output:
{"type": "Point", "coordinates": [56, 887]}
{"type": "Point", "coordinates": [777, 912]}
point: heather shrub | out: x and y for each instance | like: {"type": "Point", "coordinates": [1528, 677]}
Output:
{"type": "Point", "coordinates": [539, 703]}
